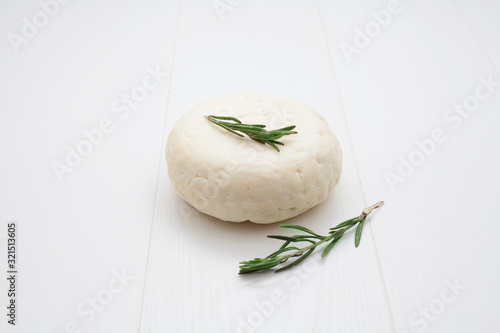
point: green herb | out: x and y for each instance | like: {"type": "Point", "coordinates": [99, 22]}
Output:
{"type": "Point", "coordinates": [255, 132]}
{"type": "Point", "coordinates": [286, 251]}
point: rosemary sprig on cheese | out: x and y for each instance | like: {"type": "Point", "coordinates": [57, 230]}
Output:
{"type": "Point", "coordinates": [255, 132]}
{"type": "Point", "coordinates": [286, 252]}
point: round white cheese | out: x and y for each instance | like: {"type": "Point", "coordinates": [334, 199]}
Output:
{"type": "Point", "coordinates": [237, 179]}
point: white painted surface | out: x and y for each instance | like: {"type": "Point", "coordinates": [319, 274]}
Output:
{"type": "Point", "coordinates": [117, 213]}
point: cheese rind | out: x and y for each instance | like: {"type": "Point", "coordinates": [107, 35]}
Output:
{"type": "Point", "coordinates": [237, 179]}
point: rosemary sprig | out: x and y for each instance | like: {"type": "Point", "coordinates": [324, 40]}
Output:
{"type": "Point", "coordinates": [255, 132]}
{"type": "Point", "coordinates": [286, 252]}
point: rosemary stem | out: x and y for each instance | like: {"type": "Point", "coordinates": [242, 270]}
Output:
{"type": "Point", "coordinates": [255, 132]}
{"type": "Point", "coordinates": [368, 210]}
{"type": "Point", "coordinates": [335, 234]}
{"type": "Point", "coordinates": [304, 249]}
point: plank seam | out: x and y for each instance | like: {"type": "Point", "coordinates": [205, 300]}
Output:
{"type": "Point", "coordinates": [475, 36]}
{"type": "Point", "coordinates": [159, 165]}
{"type": "Point", "coordinates": [330, 58]}
{"type": "Point", "coordinates": [2, 97]}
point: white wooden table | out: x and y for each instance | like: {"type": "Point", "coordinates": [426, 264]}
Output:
{"type": "Point", "coordinates": [90, 89]}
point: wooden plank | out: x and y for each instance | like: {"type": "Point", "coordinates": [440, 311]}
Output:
{"type": "Point", "coordinates": [192, 283]}
{"type": "Point", "coordinates": [83, 241]}
{"type": "Point", "coordinates": [437, 229]}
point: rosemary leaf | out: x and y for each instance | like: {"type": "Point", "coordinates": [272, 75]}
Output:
{"type": "Point", "coordinates": [284, 245]}
{"type": "Point", "coordinates": [359, 229]}
{"type": "Point", "coordinates": [301, 228]}
{"type": "Point", "coordinates": [347, 223]}
{"type": "Point", "coordinates": [285, 238]}
{"type": "Point", "coordinates": [330, 246]}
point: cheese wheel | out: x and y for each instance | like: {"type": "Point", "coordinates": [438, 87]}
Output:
{"type": "Point", "coordinates": [237, 179]}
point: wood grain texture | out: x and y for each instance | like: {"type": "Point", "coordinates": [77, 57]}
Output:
{"type": "Point", "coordinates": [428, 260]}
{"type": "Point", "coordinates": [76, 235]}
{"type": "Point", "coordinates": [436, 226]}
{"type": "Point", "coordinates": [192, 283]}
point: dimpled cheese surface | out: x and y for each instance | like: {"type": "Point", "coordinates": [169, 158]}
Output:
{"type": "Point", "coordinates": [237, 179]}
